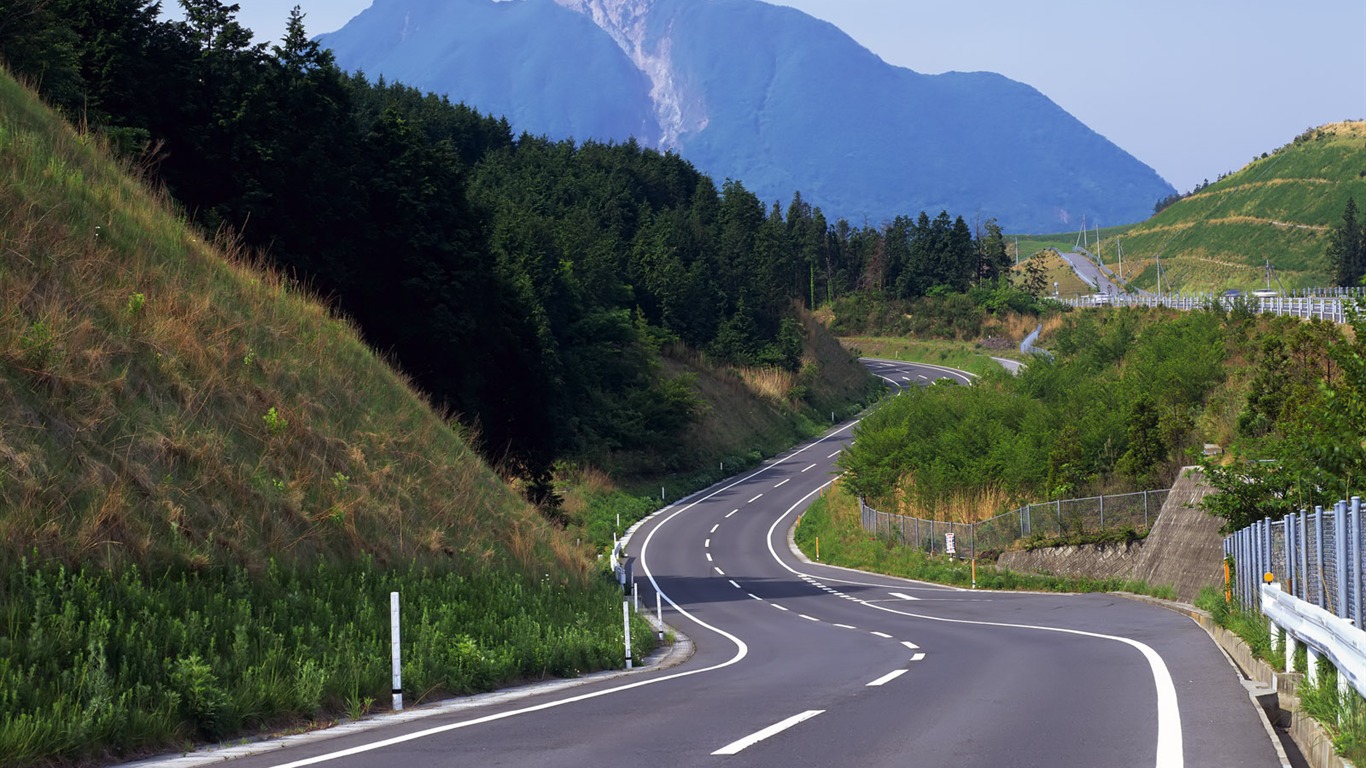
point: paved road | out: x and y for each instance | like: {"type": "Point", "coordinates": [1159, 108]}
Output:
{"type": "Point", "coordinates": [1103, 281]}
{"type": "Point", "coordinates": [800, 664]}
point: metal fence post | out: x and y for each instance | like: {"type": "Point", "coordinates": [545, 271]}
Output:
{"type": "Point", "coordinates": [1102, 513]}
{"type": "Point", "coordinates": [1340, 558]}
{"type": "Point", "coordinates": [1145, 509]}
{"type": "Point", "coordinates": [1290, 575]}
{"type": "Point", "coordinates": [1318, 550]}
{"type": "Point", "coordinates": [1304, 554]}
{"type": "Point", "coordinates": [1356, 562]}
{"type": "Point", "coordinates": [1058, 506]}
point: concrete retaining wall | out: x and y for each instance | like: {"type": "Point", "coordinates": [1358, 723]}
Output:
{"type": "Point", "coordinates": [1184, 550]}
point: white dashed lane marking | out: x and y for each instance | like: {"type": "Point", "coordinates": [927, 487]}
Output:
{"type": "Point", "coordinates": [785, 482]}
{"type": "Point", "coordinates": [813, 466]}
{"type": "Point", "coordinates": [756, 498]}
{"type": "Point", "coordinates": [887, 678]}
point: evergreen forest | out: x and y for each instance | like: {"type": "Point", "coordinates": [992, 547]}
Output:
{"type": "Point", "coordinates": [527, 286]}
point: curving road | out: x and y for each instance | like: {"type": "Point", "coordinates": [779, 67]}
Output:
{"type": "Point", "coordinates": [801, 664]}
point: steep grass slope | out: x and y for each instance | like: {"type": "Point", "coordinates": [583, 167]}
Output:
{"type": "Point", "coordinates": [209, 487]}
{"type": "Point", "coordinates": [162, 400]}
{"type": "Point", "coordinates": [1279, 207]}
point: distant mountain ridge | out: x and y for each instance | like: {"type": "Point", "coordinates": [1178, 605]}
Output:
{"type": "Point", "coordinates": [764, 94]}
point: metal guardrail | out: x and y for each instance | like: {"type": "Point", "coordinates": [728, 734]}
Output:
{"type": "Point", "coordinates": [1052, 518]}
{"type": "Point", "coordinates": [1317, 559]}
{"type": "Point", "coordinates": [1329, 308]}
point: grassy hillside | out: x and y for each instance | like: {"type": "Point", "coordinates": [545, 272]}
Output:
{"type": "Point", "coordinates": [163, 401]}
{"type": "Point", "coordinates": [1279, 207]}
{"type": "Point", "coordinates": [209, 485]}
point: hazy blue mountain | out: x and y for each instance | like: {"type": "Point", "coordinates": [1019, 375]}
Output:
{"type": "Point", "coordinates": [764, 94]}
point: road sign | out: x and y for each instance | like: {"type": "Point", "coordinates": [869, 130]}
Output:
{"type": "Point", "coordinates": [948, 544]}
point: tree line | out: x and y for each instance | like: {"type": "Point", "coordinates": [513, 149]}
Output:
{"type": "Point", "coordinates": [525, 284]}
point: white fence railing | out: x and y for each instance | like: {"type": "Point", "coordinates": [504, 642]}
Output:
{"type": "Point", "coordinates": [1330, 308]}
{"type": "Point", "coordinates": [1315, 563]}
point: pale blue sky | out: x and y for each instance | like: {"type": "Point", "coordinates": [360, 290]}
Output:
{"type": "Point", "coordinates": [1193, 88]}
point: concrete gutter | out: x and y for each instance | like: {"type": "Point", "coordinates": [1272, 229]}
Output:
{"type": "Point", "coordinates": [1274, 693]}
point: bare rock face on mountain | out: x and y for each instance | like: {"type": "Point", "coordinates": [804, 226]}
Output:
{"type": "Point", "coordinates": [763, 94]}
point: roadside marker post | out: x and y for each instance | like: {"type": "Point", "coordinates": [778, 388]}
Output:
{"type": "Point", "coordinates": [626, 622]}
{"type": "Point", "coordinates": [635, 595]}
{"type": "Point", "coordinates": [394, 652]}
{"type": "Point", "coordinates": [659, 615]}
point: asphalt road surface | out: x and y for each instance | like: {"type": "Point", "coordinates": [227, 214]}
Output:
{"type": "Point", "coordinates": [800, 664]}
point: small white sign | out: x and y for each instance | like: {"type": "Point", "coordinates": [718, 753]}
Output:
{"type": "Point", "coordinates": [948, 544]}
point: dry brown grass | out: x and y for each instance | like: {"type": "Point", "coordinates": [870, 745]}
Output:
{"type": "Point", "coordinates": [138, 362]}
{"type": "Point", "coordinates": [964, 506]}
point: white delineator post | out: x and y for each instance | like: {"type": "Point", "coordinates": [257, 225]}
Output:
{"type": "Point", "coordinates": [626, 622]}
{"type": "Point", "coordinates": [659, 615]}
{"type": "Point", "coordinates": [394, 652]}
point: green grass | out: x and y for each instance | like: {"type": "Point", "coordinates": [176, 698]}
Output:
{"type": "Point", "coordinates": [98, 664]}
{"type": "Point", "coordinates": [834, 520]}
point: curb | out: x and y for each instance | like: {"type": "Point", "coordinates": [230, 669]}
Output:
{"type": "Point", "coordinates": [1266, 687]}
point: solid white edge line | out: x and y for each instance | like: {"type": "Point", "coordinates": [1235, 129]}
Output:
{"type": "Point", "coordinates": [1170, 746]}
{"type": "Point", "coordinates": [887, 678]}
{"type": "Point", "coordinates": [738, 746]}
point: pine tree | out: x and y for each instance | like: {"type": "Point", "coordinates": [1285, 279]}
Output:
{"type": "Point", "coordinates": [1347, 247]}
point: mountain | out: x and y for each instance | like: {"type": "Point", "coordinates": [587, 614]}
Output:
{"type": "Point", "coordinates": [764, 94]}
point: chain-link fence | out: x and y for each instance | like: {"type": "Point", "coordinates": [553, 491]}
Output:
{"type": "Point", "coordinates": [1316, 556]}
{"type": "Point", "coordinates": [1049, 519]}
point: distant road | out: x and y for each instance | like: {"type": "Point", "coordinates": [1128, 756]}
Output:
{"type": "Point", "coordinates": [802, 664]}
{"type": "Point", "coordinates": [1102, 281]}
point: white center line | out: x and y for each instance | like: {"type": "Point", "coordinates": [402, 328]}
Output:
{"type": "Point", "coordinates": [846, 626]}
{"type": "Point", "coordinates": [736, 747]}
{"type": "Point", "coordinates": [882, 635]}
{"type": "Point", "coordinates": [756, 597]}
{"type": "Point", "coordinates": [903, 597]}
{"type": "Point", "coordinates": [785, 482]}
{"type": "Point", "coordinates": [733, 511]}
{"type": "Point", "coordinates": [718, 571]}
{"type": "Point", "coordinates": [733, 584]}
{"type": "Point", "coordinates": [887, 678]}
{"type": "Point", "coordinates": [756, 498]}
{"type": "Point", "coordinates": [808, 618]}
{"type": "Point", "coordinates": [813, 466]}
{"type": "Point", "coordinates": [714, 527]}
{"type": "Point", "coordinates": [918, 657]}
{"type": "Point", "coordinates": [833, 455]}
{"type": "Point", "coordinates": [910, 645]}
{"type": "Point", "coordinates": [707, 544]}
{"type": "Point", "coordinates": [779, 607]}
{"type": "Point", "coordinates": [709, 557]}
